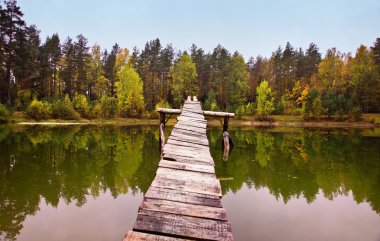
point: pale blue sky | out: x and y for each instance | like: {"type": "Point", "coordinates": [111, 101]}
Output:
{"type": "Point", "coordinates": [251, 27]}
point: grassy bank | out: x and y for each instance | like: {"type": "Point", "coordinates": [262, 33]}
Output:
{"type": "Point", "coordinates": [368, 120]}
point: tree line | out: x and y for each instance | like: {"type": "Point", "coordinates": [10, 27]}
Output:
{"type": "Point", "coordinates": [132, 83]}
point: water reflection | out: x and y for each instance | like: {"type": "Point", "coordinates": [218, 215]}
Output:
{"type": "Point", "coordinates": [73, 166]}
{"type": "Point", "coordinates": [302, 163]}
{"type": "Point", "coordinates": [293, 184]}
{"type": "Point", "coordinates": [70, 164]}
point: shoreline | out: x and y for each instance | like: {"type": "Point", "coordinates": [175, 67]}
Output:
{"type": "Point", "coordinates": [211, 123]}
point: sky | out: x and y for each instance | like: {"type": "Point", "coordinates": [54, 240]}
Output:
{"type": "Point", "coordinates": [251, 27]}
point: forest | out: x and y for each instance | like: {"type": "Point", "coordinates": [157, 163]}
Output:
{"type": "Point", "coordinates": [68, 79]}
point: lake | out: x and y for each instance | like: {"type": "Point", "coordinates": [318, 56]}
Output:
{"type": "Point", "coordinates": [87, 182]}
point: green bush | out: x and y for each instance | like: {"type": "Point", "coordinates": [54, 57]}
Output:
{"type": "Point", "coordinates": [240, 111]}
{"type": "Point", "coordinates": [81, 105]}
{"type": "Point", "coordinates": [96, 111]}
{"type": "Point", "coordinates": [24, 97]}
{"type": "Point", "coordinates": [357, 113]}
{"type": "Point", "coordinates": [250, 109]}
{"type": "Point", "coordinates": [38, 110]}
{"type": "Point", "coordinates": [4, 114]}
{"type": "Point", "coordinates": [108, 106]}
{"type": "Point", "coordinates": [61, 109]}
{"type": "Point", "coordinates": [214, 106]}
{"type": "Point", "coordinates": [279, 107]}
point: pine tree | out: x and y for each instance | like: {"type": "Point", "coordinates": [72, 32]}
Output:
{"type": "Point", "coordinates": [11, 23]}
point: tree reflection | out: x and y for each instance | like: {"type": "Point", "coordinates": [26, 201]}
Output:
{"type": "Point", "coordinates": [70, 163]}
{"type": "Point", "coordinates": [303, 163]}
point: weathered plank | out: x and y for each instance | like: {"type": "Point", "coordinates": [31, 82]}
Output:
{"type": "Point", "coordinates": [188, 155]}
{"type": "Point", "coordinates": [197, 142]}
{"type": "Point", "coordinates": [198, 148]}
{"type": "Point", "coordinates": [189, 128]}
{"type": "Point", "coordinates": [134, 236]}
{"type": "Point", "coordinates": [196, 186]}
{"type": "Point", "coordinates": [190, 123]}
{"type": "Point", "coordinates": [185, 209]}
{"type": "Point", "coordinates": [182, 159]}
{"type": "Point", "coordinates": [190, 119]}
{"type": "Point", "coordinates": [183, 196]}
{"type": "Point", "coordinates": [190, 133]}
{"type": "Point", "coordinates": [183, 143]}
{"type": "Point", "coordinates": [183, 226]}
{"type": "Point", "coordinates": [186, 174]}
{"type": "Point", "coordinates": [185, 137]}
{"type": "Point", "coordinates": [187, 167]}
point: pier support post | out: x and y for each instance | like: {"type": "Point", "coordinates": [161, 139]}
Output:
{"type": "Point", "coordinates": [227, 141]}
{"type": "Point", "coordinates": [162, 130]}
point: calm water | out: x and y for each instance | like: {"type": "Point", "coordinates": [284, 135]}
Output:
{"type": "Point", "coordinates": [86, 183]}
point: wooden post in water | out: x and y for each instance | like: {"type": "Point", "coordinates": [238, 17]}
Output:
{"type": "Point", "coordinates": [162, 130]}
{"type": "Point", "coordinates": [227, 141]}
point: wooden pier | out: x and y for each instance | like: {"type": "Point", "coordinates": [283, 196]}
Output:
{"type": "Point", "coordinates": [183, 201]}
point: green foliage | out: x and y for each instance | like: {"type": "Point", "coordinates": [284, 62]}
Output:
{"type": "Point", "coordinates": [280, 106]}
{"type": "Point", "coordinates": [312, 107]}
{"type": "Point", "coordinates": [24, 97]}
{"type": "Point", "coordinates": [162, 104]}
{"type": "Point", "coordinates": [214, 106]}
{"type": "Point", "coordinates": [329, 103]}
{"type": "Point", "coordinates": [364, 79]}
{"type": "Point", "coordinates": [237, 83]}
{"type": "Point", "coordinates": [81, 105]}
{"type": "Point", "coordinates": [265, 100]}
{"type": "Point", "coordinates": [96, 111]}
{"type": "Point", "coordinates": [240, 111]}
{"type": "Point", "coordinates": [129, 90]}
{"type": "Point", "coordinates": [184, 79]}
{"type": "Point", "coordinates": [331, 72]}
{"type": "Point", "coordinates": [38, 110]}
{"type": "Point", "coordinates": [108, 106]}
{"type": "Point", "coordinates": [4, 114]}
{"type": "Point", "coordinates": [63, 109]}
{"type": "Point", "coordinates": [250, 109]}
{"type": "Point", "coordinates": [317, 110]}
{"type": "Point", "coordinates": [357, 113]}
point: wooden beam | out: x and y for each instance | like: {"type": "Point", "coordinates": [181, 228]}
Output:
{"type": "Point", "coordinates": [206, 112]}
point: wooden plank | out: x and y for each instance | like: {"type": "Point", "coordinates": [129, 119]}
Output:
{"type": "Point", "coordinates": [197, 150]}
{"type": "Point", "coordinates": [189, 123]}
{"type": "Point", "coordinates": [134, 236]}
{"type": "Point", "coordinates": [188, 155]}
{"type": "Point", "coordinates": [183, 226]}
{"type": "Point", "coordinates": [193, 115]}
{"type": "Point", "coordinates": [195, 120]}
{"type": "Point", "coordinates": [183, 197]}
{"type": "Point", "coordinates": [189, 128]}
{"type": "Point", "coordinates": [185, 166]}
{"type": "Point", "coordinates": [190, 133]}
{"type": "Point", "coordinates": [186, 137]}
{"type": "Point", "coordinates": [185, 146]}
{"type": "Point", "coordinates": [183, 143]}
{"type": "Point", "coordinates": [195, 186]}
{"type": "Point", "coordinates": [197, 142]}
{"type": "Point", "coordinates": [187, 174]}
{"type": "Point", "coordinates": [185, 209]}
{"type": "Point", "coordinates": [182, 159]}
